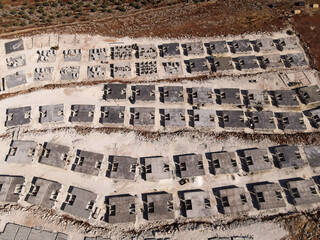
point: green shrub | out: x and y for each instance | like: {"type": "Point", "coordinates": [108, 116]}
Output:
{"type": "Point", "coordinates": [59, 15]}
{"type": "Point", "coordinates": [69, 14]}
{"type": "Point", "coordinates": [46, 4]}
{"type": "Point", "coordinates": [13, 12]}
{"type": "Point", "coordinates": [23, 24]}
{"type": "Point", "coordinates": [15, 24]}
{"type": "Point", "coordinates": [87, 5]}
{"type": "Point", "coordinates": [109, 11]}
{"type": "Point", "coordinates": [6, 25]}
{"type": "Point", "coordinates": [31, 12]}
{"type": "Point", "coordinates": [94, 9]}
{"type": "Point", "coordinates": [4, 15]}
{"type": "Point", "coordinates": [25, 3]}
{"type": "Point", "coordinates": [54, 4]}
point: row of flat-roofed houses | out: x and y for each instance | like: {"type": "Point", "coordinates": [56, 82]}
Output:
{"type": "Point", "coordinates": [196, 117]}
{"type": "Point", "coordinates": [159, 205]}
{"type": "Point", "coordinates": [215, 58]}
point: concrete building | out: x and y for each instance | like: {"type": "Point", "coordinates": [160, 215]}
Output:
{"type": "Point", "coordinates": [232, 200]}
{"type": "Point", "coordinates": [290, 121]}
{"type": "Point", "coordinates": [43, 192]}
{"type": "Point", "coordinates": [296, 60]}
{"type": "Point", "coordinates": [158, 206]}
{"type": "Point", "coordinates": [47, 56]}
{"type": "Point", "coordinates": [201, 118]}
{"type": "Point", "coordinates": [115, 91]}
{"type": "Point", "coordinates": [231, 119]}
{"type": "Point", "coordinates": [147, 51]}
{"type": "Point", "coordinates": [21, 152]}
{"type": "Point", "coordinates": [43, 74]}
{"type": "Point", "coordinates": [255, 160]}
{"type": "Point", "coordinates": [309, 94]}
{"type": "Point", "coordinates": [256, 98]}
{"type": "Point", "coordinates": [265, 45]}
{"type": "Point", "coordinates": [174, 117]}
{"type": "Point", "coordinates": [313, 155]}
{"type": "Point", "coordinates": [121, 167]}
{"type": "Point", "coordinates": [288, 43]}
{"type": "Point", "coordinates": [303, 192]}
{"type": "Point", "coordinates": [314, 117]}
{"type": "Point", "coordinates": [221, 64]}
{"type": "Point", "coordinates": [241, 46]}
{"type": "Point", "coordinates": [14, 46]}
{"type": "Point", "coordinates": [200, 95]}
{"type": "Point", "coordinates": [18, 116]}
{"type": "Point", "coordinates": [10, 188]}
{"type": "Point", "coordinates": [96, 72]}
{"type": "Point", "coordinates": [15, 62]}
{"type": "Point", "coordinates": [72, 55]}
{"type": "Point", "coordinates": [223, 163]}
{"type": "Point", "coordinates": [261, 120]}
{"type": "Point", "coordinates": [198, 65]}
{"type": "Point", "coordinates": [190, 165]}
{"type": "Point", "coordinates": [171, 94]}
{"type": "Point", "coordinates": [144, 93]}
{"type": "Point", "coordinates": [121, 52]}
{"type": "Point", "coordinates": [229, 96]}
{"type": "Point", "coordinates": [196, 204]}
{"type": "Point", "coordinates": [82, 113]}
{"type": "Point", "coordinates": [14, 231]}
{"type": "Point", "coordinates": [172, 68]}
{"type": "Point", "coordinates": [271, 61]}
{"type": "Point", "coordinates": [98, 54]}
{"type": "Point", "coordinates": [142, 116]}
{"type": "Point", "coordinates": [286, 98]}
{"type": "Point", "coordinates": [51, 113]}
{"type": "Point", "coordinates": [170, 49]}
{"type": "Point", "coordinates": [268, 196]}
{"type": "Point", "coordinates": [194, 48]}
{"type": "Point", "coordinates": [218, 47]}
{"type": "Point", "coordinates": [88, 162]}
{"type": "Point", "coordinates": [70, 73]}
{"type": "Point", "coordinates": [79, 202]}
{"type": "Point", "coordinates": [120, 209]}
{"type": "Point", "coordinates": [247, 62]}
{"type": "Point", "coordinates": [54, 154]}
{"type": "Point", "coordinates": [112, 115]}
{"type": "Point", "coordinates": [155, 168]}
{"type": "Point", "coordinates": [288, 156]}
{"type": "Point", "coordinates": [15, 79]}
{"type": "Point", "coordinates": [147, 68]}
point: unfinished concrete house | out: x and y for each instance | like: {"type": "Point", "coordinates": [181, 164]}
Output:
{"type": "Point", "coordinates": [265, 45]}
{"type": "Point", "coordinates": [158, 206]}
{"type": "Point", "coordinates": [47, 55]}
{"type": "Point", "coordinates": [287, 43]}
{"type": "Point", "coordinates": [309, 94]}
{"type": "Point", "coordinates": [122, 167]}
{"type": "Point", "coordinates": [10, 188]}
{"type": "Point", "coordinates": [70, 73]}
{"type": "Point", "coordinates": [261, 120]}
{"type": "Point", "coordinates": [221, 64]}
{"type": "Point", "coordinates": [72, 55]}
{"type": "Point", "coordinates": [256, 98]}
{"type": "Point", "coordinates": [82, 113]}
{"type": "Point", "coordinates": [144, 93]}
{"type": "Point", "coordinates": [241, 46]}
{"type": "Point", "coordinates": [288, 156]}
{"type": "Point", "coordinates": [79, 202]}
{"type": "Point", "coordinates": [21, 151]}
{"type": "Point", "coordinates": [268, 196]}
{"type": "Point", "coordinates": [194, 48]}
{"type": "Point", "coordinates": [198, 65]}
{"type": "Point", "coordinates": [121, 52]}
{"type": "Point", "coordinates": [18, 116]}
{"type": "Point", "coordinates": [314, 117]}
{"type": "Point", "coordinates": [285, 98]}
{"type": "Point", "coordinates": [96, 72]}
{"type": "Point", "coordinates": [43, 192]}
{"type": "Point", "coordinates": [200, 95]}
{"type": "Point", "coordinates": [15, 62]}
{"type": "Point", "coordinates": [231, 119]}
{"type": "Point", "coordinates": [271, 61]}
{"type": "Point", "coordinates": [247, 62]}
{"type": "Point", "coordinates": [290, 121]}
{"type": "Point", "coordinates": [171, 94]}
{"type": "Point", "coordinates": [196, 204]}
{"type": "Point", "coordinates": [190, 165]}
{"type": "Point", "coordinates": [172, 68]}
{"type": "Point", "coordinates": [121, 70]}
{"type": "Point", "coordinates": [147, 51]}
{"type": "Point", "coordinates": [228, 96]}
{"type": "Point", "coordinates": [218, 47]}
{"type": "Point", "coordinates": [255, 160]}
{"type": "Point", "coordinates": [15, 79]}
{"type": "Point", "coordinates": [115, 91]}
{"type": "Point", "coordinates": [98, 54]}
{"type": "Point", "coordinates": [174, 117]}
{"type": "Point", "coordinates": [43, 74]}
{"type": "Point", "coordinates": [170, 49]}
{"type": "Point", "coordinates": [51, 113]}
{"type": "Point", "coordinates": [201, 118]}
{"type": "Point", "coordinates": [14, 46]}
{"type": "Point", "coordinates": [147, 68]}
{"type": "Point", "coordinates": [54, 154]}
{"type": "Point", "coordinates": [120, 209]}
{"type": "Point", "coordinates": [223, 163]}
{"type": "Point", "coordinates": [142, 116]}
{"type": "Point", "coordinates": [303, 192]}
{"type": "Point", "coordinates": [313, 155]}
{"type": "Point", "coordinates": [155, 168]}
{"type": "Point", "coordinates": [296, 60]}
{"type": "Point", "coordinates": [112, 115]}
{"type": "Point", "coordinates": [232, 200]}
{"type": "Point", "coordinates": [87, 162]}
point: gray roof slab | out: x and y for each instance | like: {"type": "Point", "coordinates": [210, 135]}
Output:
{"type": "Point", "coordinates": [21, 151]}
